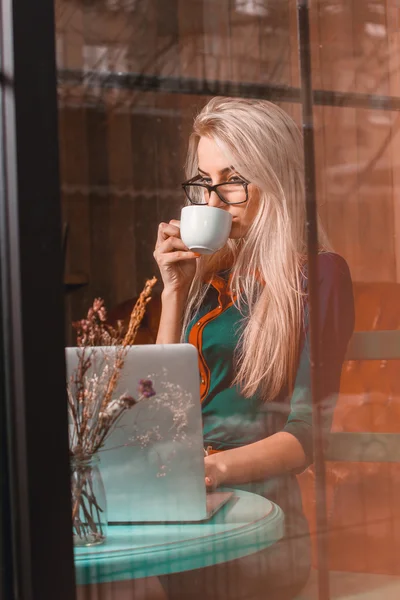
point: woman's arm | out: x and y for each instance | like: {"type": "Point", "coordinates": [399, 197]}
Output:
{"type": "Point", "coordinates": [279, 453]}
{"type": "Point", "coordinates": [177, 266]}
{"type": "Point", "coordinates": [291, 449]}
{"type": "Point", "coordinates": [172, 309]}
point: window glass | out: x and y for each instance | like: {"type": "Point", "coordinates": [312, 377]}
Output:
{"type": "Point", "coordinates": [132, 77]}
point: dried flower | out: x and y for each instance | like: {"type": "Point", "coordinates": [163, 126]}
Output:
{"type": "Point", "coordinates": [146, 388]}
{"type": "Point", "coordinates": [94, 330]}
{"type": "Point", "coordinates": [128, 401]}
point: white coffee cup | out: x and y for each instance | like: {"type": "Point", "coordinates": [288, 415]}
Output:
{"type": "Point", "coordinates": [205, 229]}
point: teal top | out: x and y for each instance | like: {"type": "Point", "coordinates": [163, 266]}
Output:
{"type": "Point", "coordinates": [231, 420]}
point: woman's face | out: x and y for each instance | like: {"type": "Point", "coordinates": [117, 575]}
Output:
{"type": "Point", "coordinates": [215, 168]}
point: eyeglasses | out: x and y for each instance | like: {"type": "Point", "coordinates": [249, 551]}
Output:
{"type": "Point", "coordinates": [229, 192]}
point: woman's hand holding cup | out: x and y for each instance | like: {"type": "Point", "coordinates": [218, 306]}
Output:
{"type": "Point", "coordinates": [204, 229]}
{"type": "Point", "coordinates": [176, 262]}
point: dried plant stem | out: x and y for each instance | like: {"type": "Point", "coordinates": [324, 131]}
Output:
{"type": "Point", "coordinates": [137, 315]}
{"type": "Point", "coordinates": [86, 517]}
{"type": "Point", "coordinates": [138, 312]}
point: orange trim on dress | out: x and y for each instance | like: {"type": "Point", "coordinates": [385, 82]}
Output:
{"type": "Point", "coordinates": [225, 301]}
{"type": "Point", "coordinates": [210, 450]}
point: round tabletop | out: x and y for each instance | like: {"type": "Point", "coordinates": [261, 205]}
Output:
{"type": "Point", "coordinates": [246, 524]}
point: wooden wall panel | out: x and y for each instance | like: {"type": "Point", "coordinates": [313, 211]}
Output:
{"type": "Point", "coordinates": [70, 27]}
{"type": "Point", "coordinates": [145, 183]}
{"type": "Point", "coordinates": [122, 207]}
{"type": "Point", "coordinates": [375, 225]}
{"type": "Point", "coordinates": [293, 45]}
{"type": "Point", "coordinates": [374, 184]}
{"type": "Point", "coordinates": [245, 46]}
{"type": "Point", "coordinates": [100, 234]}
{"type": "Point", "coordinates": [218, 43]}
{"type": "Point", "coordinates": [191, 38]}
{"type": "Point", "coordinates": [336, 129]}
{"type": "Point", "coordinates": [75, 205]}
{"type": "Point", "coordinates": [319, 75]}
{"type": "Point", "coordinates": [392, 24]}
{"type": "Point", "coordinates": [276, 45]}
{"type": "Point", "coordinates": [167, 38]}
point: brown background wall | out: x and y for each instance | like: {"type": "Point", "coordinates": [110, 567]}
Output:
{"type": "Point", "coordinates": [122, 153]}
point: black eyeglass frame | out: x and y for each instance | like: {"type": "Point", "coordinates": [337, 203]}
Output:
{"type": "Point", "coordinates": [214, 188]}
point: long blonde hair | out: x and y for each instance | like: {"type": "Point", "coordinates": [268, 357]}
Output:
{"type": "Point", "coordinates": [265, 146]}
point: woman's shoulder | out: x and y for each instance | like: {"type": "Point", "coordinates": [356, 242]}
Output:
{"type": "Point", "coordinates": [332, 267]}
{"type": "Point", "coordinates": [335, 292]}
{"type": "Point", "coordinates": [334, 278]}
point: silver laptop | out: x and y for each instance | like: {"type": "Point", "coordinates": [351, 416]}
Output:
{"type": "Point", "coordinates": [153, 462]}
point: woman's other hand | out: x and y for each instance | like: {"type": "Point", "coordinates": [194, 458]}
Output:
{"type": "Point", "coordinates": [215, 471]}
{"type": "Point", "coordinates": [176, 262]}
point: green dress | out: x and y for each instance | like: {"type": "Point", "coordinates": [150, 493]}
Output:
{"type": "Point", "coordinates": [230, 420]}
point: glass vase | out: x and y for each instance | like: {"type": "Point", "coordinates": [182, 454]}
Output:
{"type": "Point", "coordinates": [89, 506]}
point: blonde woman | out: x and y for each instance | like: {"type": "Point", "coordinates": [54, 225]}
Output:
{"type": "Point", "coordinates": [254, 352]}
